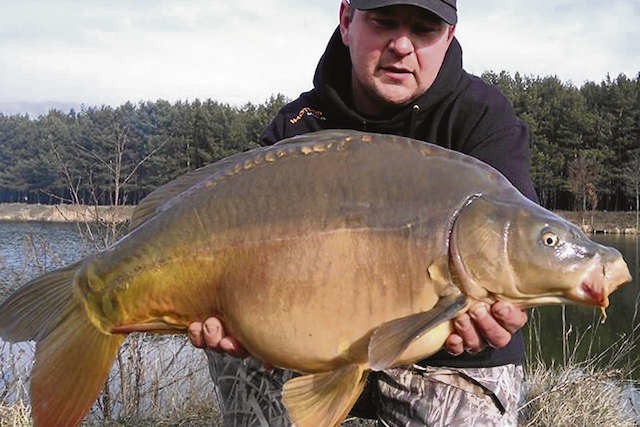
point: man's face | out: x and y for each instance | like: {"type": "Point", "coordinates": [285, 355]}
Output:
{"type": "Point", "coordinates": [396, 53]}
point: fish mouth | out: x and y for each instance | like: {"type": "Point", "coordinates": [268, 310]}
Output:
{"type": "Point", "coordinates": [600, 281]}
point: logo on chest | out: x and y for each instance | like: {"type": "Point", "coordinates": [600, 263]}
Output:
{"type": "Point", "coordinates": [307, 111]}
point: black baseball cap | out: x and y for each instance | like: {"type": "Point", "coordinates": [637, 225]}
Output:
{"type": "Point", "coordinates": [445, 9]}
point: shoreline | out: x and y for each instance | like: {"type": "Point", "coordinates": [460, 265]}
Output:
{"type": "Point", "coordinates": [598, 222]}
{"type": "Point", "coordinates": [603, 222]}
{"type": "Point", "coordinates": [64, 213]}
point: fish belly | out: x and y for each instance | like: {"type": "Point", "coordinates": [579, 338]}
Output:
{"type": "Point", "coordinates": [311, 303]}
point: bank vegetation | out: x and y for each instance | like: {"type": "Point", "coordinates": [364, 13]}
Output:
{"type": "Point", "coordinates": [585, 151]}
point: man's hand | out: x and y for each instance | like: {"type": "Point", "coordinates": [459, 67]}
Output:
{"type": "Point", "coordinates": [210, 334]}
{"type": "Point", "coordinates": [483, 326]}
{"type": "Point", "coordinates": [475, 330]}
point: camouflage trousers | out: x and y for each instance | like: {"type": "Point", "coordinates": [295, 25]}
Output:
{"type": "Point", "coordinates": [427, 396]}
{"type": "Point", "coordinates": [415, 396]}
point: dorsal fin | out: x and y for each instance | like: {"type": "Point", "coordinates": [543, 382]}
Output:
{"type": "Point", "coordinates": [321, 136]}
{"type": "Point", "coordinates": [150, 205]}
{"type": "Point", "coordinates": [157, 199]}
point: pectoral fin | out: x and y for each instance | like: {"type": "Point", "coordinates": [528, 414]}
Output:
{"type": "Point", "coordinates": [323, 399]}
{"type": "Point", "coordinates": [158, 326]}
{"type": "Point", "coordinates": [392, 338]}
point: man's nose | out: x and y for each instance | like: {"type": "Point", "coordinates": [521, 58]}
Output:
{"type": "Point", "coordinates": [401, 44]}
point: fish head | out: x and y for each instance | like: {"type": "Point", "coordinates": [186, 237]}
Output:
{"type": "Point", "coordinates": [515, 250]}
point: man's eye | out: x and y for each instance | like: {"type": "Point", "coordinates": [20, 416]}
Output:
{"type": "Point", "coordinates": [425, 29]}
{"type": "Point", "coordinates": [384, 23]}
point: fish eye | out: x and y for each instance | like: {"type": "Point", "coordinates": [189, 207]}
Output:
{"type": "Point", "coordinates": [550, 239]}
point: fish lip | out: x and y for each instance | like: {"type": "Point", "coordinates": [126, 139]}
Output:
{"type": "Point", "coordinates": [601, 280]}
{"type": "Point", "coordinates": [595, 293]}
{"type": "Point", "coordinates": [593, 289]}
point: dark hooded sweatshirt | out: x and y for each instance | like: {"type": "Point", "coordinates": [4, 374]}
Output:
{"type": "Point", "coordinates": [459, 111]}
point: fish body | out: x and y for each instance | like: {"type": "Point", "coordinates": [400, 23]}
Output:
{"type": "Point", "coordinates": [331, 254]}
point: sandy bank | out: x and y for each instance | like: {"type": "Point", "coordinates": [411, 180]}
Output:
{"type": "Point", "coordinates": [603, 222]}
{"type": "Point", "coordinates": [63, 213]}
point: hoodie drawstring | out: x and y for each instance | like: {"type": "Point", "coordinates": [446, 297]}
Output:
{"type": "Point", "coordinates": [413, 118]}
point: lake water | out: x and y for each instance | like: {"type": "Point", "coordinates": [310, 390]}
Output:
{"type": "Point", "coordinates": [31, 247]}
{"type": "Point", "coordinates": [27, 249]}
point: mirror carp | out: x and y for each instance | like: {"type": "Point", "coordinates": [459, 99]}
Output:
{"type": "Point", "coordinates": [332, 254]}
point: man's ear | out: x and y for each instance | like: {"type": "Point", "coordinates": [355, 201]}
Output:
{"type": "Point", "coordinates": [451, 32]}
{"type": "Point", "coordinates": [345, 21]}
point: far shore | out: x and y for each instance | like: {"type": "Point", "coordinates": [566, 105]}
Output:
{"type": "Point", "coordinates": [64, 213]}
{"type": "Point", "coordinates": [591, 222]}
{"type": "Point", "coordinates": [604, 222]}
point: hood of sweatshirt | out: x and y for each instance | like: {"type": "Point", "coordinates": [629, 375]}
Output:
{"type": "Point", "coordinates": [332, 82]}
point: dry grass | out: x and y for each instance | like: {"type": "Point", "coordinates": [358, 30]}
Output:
{"type": "Point", "coordinates": [582, 389]}
{"type": "Point", "coordinates": [17, 414]}
{"type": "Point", "coordinates": [575, 396]}
{"type": "Point", "coordinates": [155, 381]}
{"type": "Point", "coordinates": [205, 414]}
{"type": "Point", "coordinates": [166, 387]}
{"type": "Point", "coordinates": [251, 395]}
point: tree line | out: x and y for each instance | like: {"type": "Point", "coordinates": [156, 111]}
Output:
{"type": "Point", "coordinates": [585, 144]}
{"type": "Point", "coordinates": [114, 156]}
{"type": "Point", "coordinates": [585, 141]}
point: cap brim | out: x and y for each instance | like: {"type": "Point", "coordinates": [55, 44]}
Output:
{"type": "Point", "coordinates": [438, 7]}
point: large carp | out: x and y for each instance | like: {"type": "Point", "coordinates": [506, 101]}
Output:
{"type": "Point", "coordinates": [331, 254]}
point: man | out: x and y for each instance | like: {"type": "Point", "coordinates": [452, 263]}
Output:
{"type": "Point", "coordinates": [395, 67]}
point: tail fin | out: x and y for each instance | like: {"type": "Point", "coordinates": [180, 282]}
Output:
{"type": "Point", "coordinates": [31, 312]}
{"type": "Point", "coordinates": [72, 359]}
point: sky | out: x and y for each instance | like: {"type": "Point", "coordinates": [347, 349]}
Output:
{"type": "Point", "coordinates": [67, 54]}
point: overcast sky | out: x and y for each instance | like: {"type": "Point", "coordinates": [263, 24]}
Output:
{"type": "Point", "coordinates": [92, 52]}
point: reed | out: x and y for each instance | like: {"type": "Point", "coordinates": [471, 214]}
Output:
{"type": "Point", "coordinates": [15, 415]}
{"type": "Point", "coordinates": [154, 381]}
{"type": "Point", "coordinates": [589, 385]}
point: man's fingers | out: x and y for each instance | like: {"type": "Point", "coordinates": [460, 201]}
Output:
{"type": "Point", "coordinates": [195, 334]}
{"type": "Point", "coordinates": [232, 347]}
{"type": "Point", "coordinates": [454, 344]}
{"type": "Point", "coordinates": [488, 327]}
{"type": "Point", "coordinates": [511, 318]}
{"type": "Point", "coordinates": [471, 340]}
{"type": "Point", "coordinates": [212, 333]}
